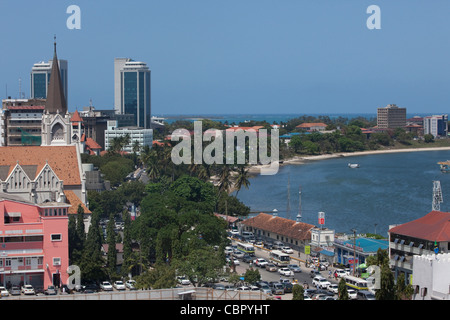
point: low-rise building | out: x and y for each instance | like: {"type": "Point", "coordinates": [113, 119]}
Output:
{"type": "Point", "coordinates": [418, 237]}
{"type": "Point", "coordinates": [143, 136]}
{"type": "Point", "coordinates": [34, 242]}
{"type": "Point", "coordinates": [351, 251]}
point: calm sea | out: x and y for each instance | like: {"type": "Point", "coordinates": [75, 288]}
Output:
{"type": "Point", "coordinates": [387, 189]}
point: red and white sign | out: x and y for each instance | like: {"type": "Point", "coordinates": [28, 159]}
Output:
{"type": "Point", "coordinates": [321, 218]}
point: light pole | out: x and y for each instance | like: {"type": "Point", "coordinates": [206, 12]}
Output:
{"type": "Point", "coordinates": [354, 250]}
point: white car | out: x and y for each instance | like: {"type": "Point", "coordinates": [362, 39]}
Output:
{"type": "Point", "coordinates": [320, 282]}
{"type": "Point", "coordinates": [119, 285]}
{"type": "Point", "coordinates": [106, 286]}
{"type": "Point", "coordinates": [28, 289]}
{"type": "Point", "coordinates": [183, 280]}
{"type": "Point", "coordinates": [333, 288]}
{"type": "Point", "coordinates": [130, 284]}
{"type": "Point", "coordinates": [352, 294]}
{"type": "Point", "coordinates": [287, 250]}
{"type": "Point", "coordinates": [286, 272]}
{"type": "Point", "coordinates": [4, 292]}
{"type": "Point", "coordinates": [261, 262]}
{"type": "Point", "coordinates": [340, 272]}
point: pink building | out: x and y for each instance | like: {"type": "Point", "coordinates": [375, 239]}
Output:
{"type": "Point", "coordinates": [34, 244]}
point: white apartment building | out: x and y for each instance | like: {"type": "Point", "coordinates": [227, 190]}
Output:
{"type": "Point", "coordinates": [430, 278]}
{"type": "Point", "coordinates": [143, 136]}
{"type": "Point", "coordinates": [436, 125]}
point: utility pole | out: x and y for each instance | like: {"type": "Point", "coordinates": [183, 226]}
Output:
{"type": "Point", "coordinates": [354, 250]}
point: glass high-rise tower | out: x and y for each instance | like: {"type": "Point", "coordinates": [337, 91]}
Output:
{"type": "Point", "coordinates": [132, 90]}
{"type": "Point", "coordinates": [40, 78]}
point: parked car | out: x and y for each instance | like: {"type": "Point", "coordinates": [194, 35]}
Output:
{"type": "Point", "coordinates": [333, 288]}
{"type": "Point", "coordinates": [238, 254]}
{"type": "Point", "coordinates": [295, 268]}
{"type": "Point", "coordinates": [268, 245]}
{"type": "Point", "coordinates": [91, 288]}
{"type": "Point", "coordinates": [39, 291]}
{"type": "Point", "coordinates": [183, 280]}
{"type": "Point", "coordinates": [4, 292]}
{"type": "Point", "coordinates": [271, 267]}
{"type": "Point", "coordinates": [264, 287]}
{"type": "Point", "coordinates": [28, 289]}
{"type": "Point", "coordinates": [286, 272]}
{"type": "Point", "coordinates": [14, 291]}
{"type": "Point", "coordinates": [278, 245]}
{"type": "Point", "coordinates": [130, 284]}
{"type": "Point", "coordinates": [51, 290]}
{"type": "Point", "coordinates": [254, 288]}
{"type": "Point", "coordinates": [352, 294]}
{"type": "Point", "coordinates": [242, 288]}
{"type": "Point", "coordinates": [365, 295]}
{"type": "Point", "coordinates": [119, 285]}
{"type": "Point", "coordinates": [261, 262]}
{"type": "Point", "coordinates": [287, 250]}
{"type": "Point", "coordinates": [106, 286]}
{"type": "Point", "coordinates": [287, 287]}
{"type": "Point", "coordinates": [218, 286]}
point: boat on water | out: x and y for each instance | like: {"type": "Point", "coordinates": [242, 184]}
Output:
{"type": "Point", "coordinates": [353, 165]}
{"type": "Point", "coordinates": [445, 166]}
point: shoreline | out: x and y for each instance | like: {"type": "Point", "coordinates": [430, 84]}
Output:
{"type": "Point", "coordinates": [256, 169]}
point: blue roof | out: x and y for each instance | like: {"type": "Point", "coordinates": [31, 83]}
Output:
{"type": "Point", "coordinates": [327, 253]}
{"type": "Point", "coordinates": [369, 245]}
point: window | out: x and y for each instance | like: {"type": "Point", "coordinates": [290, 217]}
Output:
{"type": "Point", "coordinates": [56, 237]}
{"type": "Point", "coordinates": [56, 261]}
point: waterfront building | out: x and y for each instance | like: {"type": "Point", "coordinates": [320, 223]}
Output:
{"type": "Point", "coordinates": [436, 125]}
{"type": "Point", "coordinates": [40, 78]}
{"type": "Point", "coordinates": [418, 237]}
{"type": "Point", "coordinates": [391, 117]}
{"type": "Point", "coordinates": [431, 279]}
{"type": "Point", "coordinates": [143, 136]}
{"type": "Point", "coordinates": [34, 242]}
{"type": "Point", "coordinates": [132, 93]}
{"type": "Point", "coordinates": [347, 251]}
{"type": "Point", "coordinates": [270, 227]}
{"type": "Point", "coordinates": [312, 127]}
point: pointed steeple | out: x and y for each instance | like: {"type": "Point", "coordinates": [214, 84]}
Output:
{"type": "Point", "coordinates": [56, 101]}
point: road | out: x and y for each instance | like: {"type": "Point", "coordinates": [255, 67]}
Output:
{"type": "Point", "coordinates": [301, 277]}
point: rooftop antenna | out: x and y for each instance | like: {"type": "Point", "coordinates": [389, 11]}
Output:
{"type": "Point", "coordinates": [437, 196]}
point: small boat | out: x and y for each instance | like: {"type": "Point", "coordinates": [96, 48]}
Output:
{"type": "Point", "coordinates": [353, 165]}
{"type": "Point", "coordinates": [445, 166]}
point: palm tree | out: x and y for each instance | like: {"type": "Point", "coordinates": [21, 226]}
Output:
{"type": "Point", "coordinates": [225, 178]}
{"type": "Point", "coordinates": [242, 179]}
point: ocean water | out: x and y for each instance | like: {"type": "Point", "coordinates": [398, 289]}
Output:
{"type": "Point", "coordinates": [387, 189]}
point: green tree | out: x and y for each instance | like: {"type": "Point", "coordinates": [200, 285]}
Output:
{"type": "Point", "coordinates": [404, 291]}
{"type": "Point", "coordinates": [342, 290]}
{"type": "Point", "coordinates": [298, 293]}
{"type": "Point", "coordinates": [296, 143]}
{"type": "Point", "coordinates": [428, 138]}
{"type": "Point", "coordinates": [112, 251]}
{"type": "Point", "coordinates": [252, 276]}
{"type": "Point", "coordinates": [387, 285]}
{"type": "Point", "coordinates": [242, 179]}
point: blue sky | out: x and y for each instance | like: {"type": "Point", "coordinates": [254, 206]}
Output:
{"type": "Point", "coordinates": [240, 56]}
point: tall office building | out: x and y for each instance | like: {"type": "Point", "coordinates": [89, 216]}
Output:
{"type": "Point", "coordinates": [40, 78]}
{"type": "Point", "coordinates": [132, 93]}
{"type": "Point", "coordinates": [391, 117]}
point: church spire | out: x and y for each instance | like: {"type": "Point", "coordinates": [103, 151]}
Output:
{"type": "Point", "coordinates": [56, 101]}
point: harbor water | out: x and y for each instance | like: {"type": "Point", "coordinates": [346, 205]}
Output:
{"type": "Point", "coordinates": [387, 189]}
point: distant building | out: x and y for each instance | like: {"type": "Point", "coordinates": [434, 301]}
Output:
{"type": "Point", "coordinates": [143, 136]}
{"type": "Point", "coordinates": [358, 249]}
{"type": "Point", "coordinates": [418, 237]}
{"type": "Point", "coordinates": [132, 90]}
{"type": "Point", "coordinates": [311, 127]}
{"type": "Point", "coordinates": [436, 125]}
{"type": "Point", "coordinates": [431, 279]}
{"type": "Point", "coordinates": [40, 78]}
{"type": "Point", "coordinates": [391, 117]}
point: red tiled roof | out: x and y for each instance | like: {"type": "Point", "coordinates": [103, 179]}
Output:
{"type": "Point", "coordinates": [76, 117]}
{"type": "Point", "coordinates": [62, 159]}
{"type": "Point", "coordinates": [281, 226]}
{"type": "Point", "coordinates": [92, 144]}
{"type": "Point", "coordinates": [73, 200]}
{"type": "Point", "coordinates": [435, 226]}
{"type": "Point", "coordinates": [309, 125]}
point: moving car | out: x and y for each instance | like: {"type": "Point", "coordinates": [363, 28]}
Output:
{"type": "Point", "coordinates": [294, 268]}
{"type": "Point", "coordinates": [352, 294]}
{"type": "Point", "coordinates": [340, 272]}
{"type": "Point", "coordinates": [287, 250]}
{"type": "Point", "coordinates": [271, 267]}
{"type": "Point", "coordinates": [365, 295]}
{"type": "Point", "coordinates": [106, 286]}
{"type": "Point", "coordinates": [286, 272]}
{"type": "Point", "coordinates": [320, 282]}
{"type": "Point", "coordinates": [261, 262]}
{"type": "Point", "coordinates": [119, 285]}
{"type": "Point", "coordinates": [333, 288]}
